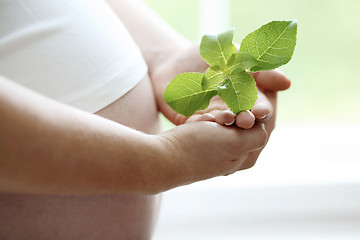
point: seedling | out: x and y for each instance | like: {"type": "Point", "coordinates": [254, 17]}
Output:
{"type": "Point", "coordinates": [267, 48]}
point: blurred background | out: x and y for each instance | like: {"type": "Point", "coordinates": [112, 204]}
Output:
{"type": "Point", "coordinates": [306, 184]}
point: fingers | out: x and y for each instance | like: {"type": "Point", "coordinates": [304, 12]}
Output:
{"type": "Point", "coordinates": [250, 161]}
{"type": "Point", "coordinates": [250, 153]}
{"type": "Point", "coordinates": [201, 117]}
{"type": "Point", "coordinates": [246, 161]}
{"type": "Point", "coordinates": [224, 117]}
{"type": "Point", "coordinates": [273, 80]}
{"type": "Point", "coordinates": [229, 139]}
{"type": "Point", "coordinates": [262, 108]}
{"type": "Point", "coordinates": [245, 119]}
{"type": "Point", "coordinates": [206, 149]}
{"type": "Point", "coordinates": [251, 140]}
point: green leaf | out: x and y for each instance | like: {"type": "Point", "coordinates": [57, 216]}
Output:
{"type": "Point", "coordinates": [185, 94]}
{"type": "Point", "coordinates": [269, 47]}
{"type": "Point", "coordinates": [213, 77]}
{"type": "Point", "coordinates": [241, 60]}
{"type": "Point", "coordinates": [216, 48]}
{"type": "Point", "coordinates": [239, 91]}
{"type": "Point", "coordinates": [272, 45]}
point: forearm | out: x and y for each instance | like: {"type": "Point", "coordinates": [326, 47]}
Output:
{"type": "Point", "coordinates": [47, 147]}
{"type": "Point", "coordinates": [156, 39]}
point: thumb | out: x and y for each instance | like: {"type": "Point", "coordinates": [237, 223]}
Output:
{"type": "Point", "coordinates": [273, 80]}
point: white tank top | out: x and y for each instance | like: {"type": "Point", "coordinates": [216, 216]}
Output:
{"type": "Point", "coordinates": [75, 51]}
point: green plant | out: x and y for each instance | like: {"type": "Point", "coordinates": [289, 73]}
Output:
{"type": "Point", "coordinates": [267, 48]}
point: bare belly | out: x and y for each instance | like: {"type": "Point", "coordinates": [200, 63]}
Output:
{"type": "Point", "coordinates": [89, 217]}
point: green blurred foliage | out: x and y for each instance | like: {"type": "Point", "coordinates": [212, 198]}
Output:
{"type": "Point", "coordinates": [323, 70]}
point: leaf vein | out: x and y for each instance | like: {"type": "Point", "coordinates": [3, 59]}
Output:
{"type": "Point", "coordinates": [282, 33]}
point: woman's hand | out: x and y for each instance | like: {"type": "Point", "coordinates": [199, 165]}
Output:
{"type": "Point", "coordinates": [263, 113]}
{"type": "Point", "coordinates": [200, 150]}
{"type": "Point", "coordinates": [189, 60]}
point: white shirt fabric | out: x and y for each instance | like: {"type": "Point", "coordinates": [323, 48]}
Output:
{"type": "Point", "coordinates": [75, 51]}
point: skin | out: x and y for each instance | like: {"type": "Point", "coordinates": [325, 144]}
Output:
{"type": "Point", "coordinates": [24, 214]}
{"type": "Point", "coordinates": [100, 179]}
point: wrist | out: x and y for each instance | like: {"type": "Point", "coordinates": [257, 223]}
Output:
{"type": "Point", "coordinates": [173, 171]}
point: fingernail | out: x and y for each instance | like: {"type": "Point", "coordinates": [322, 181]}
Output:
{"type": "Point", "coordinates": [230, 123]}
{"type": "Point", "coordinates": [263, 117]}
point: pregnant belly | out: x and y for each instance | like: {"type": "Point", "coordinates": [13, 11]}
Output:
{"type": "Point", "coordinates": [136, 109]}
{"type": "Point", "coordinates": [89, 217]}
